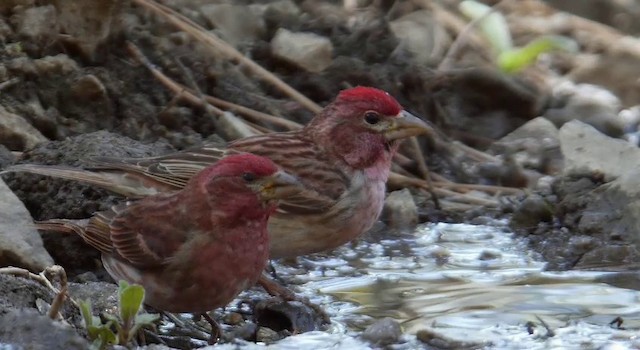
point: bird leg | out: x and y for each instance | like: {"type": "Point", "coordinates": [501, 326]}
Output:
{"type": "Point", "coordinates": [216, 331]}
{"type": "Point", "coordinates": [277, 290]}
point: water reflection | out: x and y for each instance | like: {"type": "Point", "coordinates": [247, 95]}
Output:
{"type": "Point", "coordinates": [473, 284]}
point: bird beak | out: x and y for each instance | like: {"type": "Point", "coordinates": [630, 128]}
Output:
{"type": "Point", "coordinates": [406, 125]}
{"type": "Point", "coordinates": [280, 185]}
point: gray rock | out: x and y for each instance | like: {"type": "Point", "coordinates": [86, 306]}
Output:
{"type": "Point", "coordinates": [588, 103]}
{"type": "Point", "coordinates": [531, 211]}
{"type": "Point", "coordinates": [20, 243]}
{"type": "Point", "coordinates": [38, 24]}
{"type": "Point", "coordinates": [309, 51]}
{"type": "Point", "coordinates": [16, 133]}
{"type": "Point", "coordinates": [611, 211]}
{"type": "Point", "coordinates": [93, 27]}
{"type": "Point", "coordinates": [27, 329]}
{"type": "Point", "coordinates": [237, 23]}
{"type": "Point", "coordinates": [420, 35]}
{"type": "Point", "coordinates": [535, 145]}
{"type": "Point", "coordinates": [586, 150]}
{"type": "Point", "coordinates": [400, 211]}
{"type": "Point", "coordinates": [383, 332]}
{"type": "Point", "coordinates": [6, 157]}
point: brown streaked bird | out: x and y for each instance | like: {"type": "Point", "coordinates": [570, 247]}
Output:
{"type": "Point", "coordinates": [342, 157]}
{"type": "Point", "coordinates": [195, 249]}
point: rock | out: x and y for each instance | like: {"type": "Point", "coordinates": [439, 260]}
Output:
{"type": "Point", "coordinates": [5, 33]}
{"type": "Point", "coordinates": [6, 157]}
{"type": "Point", "coordinates": [422, 36]}
{"type": "Point", "coordinates": [535, 145]}
{"type": "Point", "coordinates": [586, 150]}
{"type": "Point", "coordinates": [506, 172]}
{"type": "Point", "coordinates": [103, 296]}
{"type": "Point", "coordinates": [16, 133]}
{"type": "Point", "coordinates": [45, 66]}
{"type": "Point", "coordinates": [400, 211]}
{"type": "Point", "coordinates": [383, 332]}
{"type": "Point", "coordinates": [27, 329]}
{"type": "Point", "coordinates": [441, 341]}
{"type": "Point", "coordinates": [281, 13]}
{"type": "Point", "coordinates": [237, 23]}
{"type": "Point", "coordinates": [588, 103]}
{"type": "Point", "coordinates": [489, 254]}
{"type": "Point", "coordinates": [20, 242]}
{"type": "Point", "coordinates": [38, 24]}
{"type": "Point", "coordinates": [89, 88]}
{"type": "Point", "coordinates": [615, 69]}
{"type": "Point", "coordinates": [267, 335]}
{"type": "Point", "coordinates": [279, 315]}
{"type": "Point", "coordinates": [531, 211]}
{"type": "Point", "coordinates": [309, 51]}
{"type": "Point", "coordinates": [18, 293]}
{"type": "Point", "coordinates": [616, 212]}
{"type": "Point", "coordinates": [87, 23]}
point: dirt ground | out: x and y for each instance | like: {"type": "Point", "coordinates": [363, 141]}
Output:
{"type": "Point", "coordinates": [72, 87]}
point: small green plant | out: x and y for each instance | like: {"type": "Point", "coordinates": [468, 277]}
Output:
{"type": "Point", "coordinates": [126, 324]}
{"type": "Point", "coordinates": [508, 58]}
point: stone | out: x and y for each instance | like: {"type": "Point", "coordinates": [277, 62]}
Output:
{"type": "Point", "coordinates": [400, 211]}
{"type": "Point", "coordinates": [585, 150]}
{"type": "Point", "coordinates": [590, 104]}
{"type": "Point", "coordinates": [422, 36]}
{"type": "Point", "coordinates": [308, 51]}
{"type": "Point", "coordinates": [20, 242]}
{"type": "Point", "coordinates": [26, 329]}
{"type": "Point", "coordinates": [38, 24]}
{"type": "Point", "coordinates": [16, 133]}
{"type": "Point", "coordinates": [383, 332]}
{"type": "Point", "coordinates": [237, 23]}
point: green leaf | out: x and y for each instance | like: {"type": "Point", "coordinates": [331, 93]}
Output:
{"type": "Point", "coordinates": [144, 320]}
{"type": "Point", "coordinates": [85, 310]}
{"type": "Point", "coordinates": [514, 60]}
{"type": "Point", "coordinates": [104, 333]}
{"type": "Point", "coordinates": [130, 299]}
{"type": "Point", "coordinates": [493, 26]}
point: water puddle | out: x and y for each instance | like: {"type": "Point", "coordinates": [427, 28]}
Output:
{"type": "Point", "coordinates": [468, 286]}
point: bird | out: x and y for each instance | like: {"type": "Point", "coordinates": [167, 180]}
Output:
{"type": "Point", "coordinates": [342, 157]}
{"type": "Point", "coordinates": [195, 249]}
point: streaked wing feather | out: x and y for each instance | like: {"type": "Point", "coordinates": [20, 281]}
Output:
{"type": "Point", "coordinates": [140, 241]}
{"type": "Point", "coordinates": [173, 169]}
{"type": "Point", "coordinates": [298, 155]}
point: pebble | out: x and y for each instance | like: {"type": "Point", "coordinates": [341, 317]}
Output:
{"type": "Point", "coordinates": [383, 332]}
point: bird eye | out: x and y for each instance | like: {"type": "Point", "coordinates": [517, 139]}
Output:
{"type": "Point", "coordinates": [371, 118]}
{"type": "Point", "coordinates": [248, 177]}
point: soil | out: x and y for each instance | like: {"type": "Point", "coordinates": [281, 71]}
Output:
{"type": "Point", "coordinates": [98, 100]}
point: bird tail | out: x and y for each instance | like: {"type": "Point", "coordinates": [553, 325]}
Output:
{"type": "Point", "coordinates": [128, 186]}
{"type": "Point", "coordinates": [62, 226]}
{"type": "Point", "coordinates": [83, 228]}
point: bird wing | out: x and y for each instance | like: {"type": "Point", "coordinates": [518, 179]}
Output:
{"type": "Point", "coordinates": [292, 151]}
{"type": "Point", "coordinates": [173, 170]}
{"type": "Point", "coordinates": [296, 154]}
{"type": "Point", "coordinates": [138, 232]}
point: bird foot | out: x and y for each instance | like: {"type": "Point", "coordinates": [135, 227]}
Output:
{"type": "Point", "coordinates": [277, 290]}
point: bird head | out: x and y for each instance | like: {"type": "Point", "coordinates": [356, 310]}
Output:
{"type": "Point", "coordinates": [364, 125]}
{"type": "Point", "coordinates": [245, 179]}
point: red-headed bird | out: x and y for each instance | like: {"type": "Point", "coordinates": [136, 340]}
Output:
{"type": "Point", "coordinates": [342, 157]}
{"type": "Point", "coordinates": [196, 249]}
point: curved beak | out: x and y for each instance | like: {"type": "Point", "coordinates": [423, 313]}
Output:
{"type": "Point", "coordinates": [280, 185]}
{"type": "Point", "coordinates": [406, 125]}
